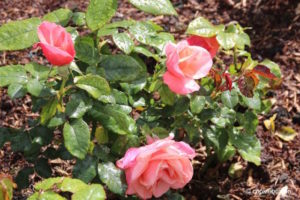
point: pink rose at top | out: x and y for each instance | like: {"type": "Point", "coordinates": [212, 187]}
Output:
{"type": "Point", "coordinates": [56, 43]}
{"type": "Point", "coordinates": [209, 43]}
{"type": "Point", "coordinates": [153, 169]}
{"type": "Point", "coordinates": [186, 63]}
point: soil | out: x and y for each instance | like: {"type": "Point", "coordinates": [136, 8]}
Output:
{"type": "Point", "coordinates": [275, 34]}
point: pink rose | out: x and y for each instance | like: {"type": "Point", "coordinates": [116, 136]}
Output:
{"type": "Point", "coordinates": [155, 168]}
{"type": "Point", "coordinates": [210, 44]}
{"type": "Point", "coordinates": [56, 43]}
{"type": "Point", "coordinates": [185, 63]}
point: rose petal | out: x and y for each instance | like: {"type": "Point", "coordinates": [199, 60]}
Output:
{"type": "Point", "coordinates": [209, 43]}
{"type": "Point", "coordinates": [55, 55]}
{"type": "Point", "coordinates": [195, 62]}
{"type": "Point", "coordinates": [180, 85]}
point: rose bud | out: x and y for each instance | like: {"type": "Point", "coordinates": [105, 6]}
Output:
{"type": "Point", "coordinates": [56, 43]}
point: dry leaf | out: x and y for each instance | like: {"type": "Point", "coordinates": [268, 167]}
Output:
{"type": "Point", "coordinates": [286, 133]}
{"type": "Point", "coordinates": [270, 123]}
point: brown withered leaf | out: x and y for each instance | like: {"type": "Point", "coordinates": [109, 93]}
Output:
{"type": "Point", "coordinates": [6, 186]}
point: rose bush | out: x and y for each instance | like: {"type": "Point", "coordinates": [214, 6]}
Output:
{"type": "Point", "coordinates": [102, 103]}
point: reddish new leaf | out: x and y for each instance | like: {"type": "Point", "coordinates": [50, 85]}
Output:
{"type": "Point", "coordinates": [247, 84]}
{"type": "Point", "coordinates": [217, 77]}
{"type": "Point", "coordinates": [228, 81]}
{"type": "Point", "coordinates": [263, 71]}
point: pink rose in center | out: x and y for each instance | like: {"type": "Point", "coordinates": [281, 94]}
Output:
{"type": "Point", "coordinates": [56, 43]}
{"type": "Point", "coordinates": [185, 63]}
{"type": "Point", "coordinates": [155, 168]}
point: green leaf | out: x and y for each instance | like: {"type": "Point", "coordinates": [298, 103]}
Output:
{"type": "Point", "coordinates": [106, 32]}
{"type": "Point", "coordinates": [122, 68]}
{"type": "Point", "coordinates": [142, 31]}
{"type": "Point", "coordinates": [230, 98]}
{"type": "Point", "coordinates": [124, 42]}
{"type": "Point", "coordinates": [166, 95]}
{"type": "Point", "coordinates": [78, 18]}
{"type": "Point", "coordinates": [85, 169]}
{"type": "Point", "coordinates": [4, 136]}
{"type": "Point", "coordinates": [114, 119]}
{"type": "Point", "coordinates": [12, 74]}
{"type": "Point", "coordinates": [22, 179]}
{"type": "Point", "coordinates": [274, 67]}
{"type": "Point", "coordinates": [202, 27]}
{"type": "Point", "coordinates": [253, 103]}
{"type": "Point", "coordinates": [76, 108]}
{"type": "Point", "coordinates": [34, 87]}
{"type": "Point", "coordinates": [95, 85]}
{"type": "Point", "coordinates": [19, 140]}
{"type": "Point", "coordinates": [120, 24]}
{"type": "Point", "coordinates": [160, 40]}
{"type": "Point", "coordinates": [249, 121]}
{"type": "Point", "coordinates": [242, 39]}
{"type": "Point", "coordinates": [99, 12]}
{"type": "Point", "coordinates": [91, 192]}
{"type": "Point", "coordinates": [160, 132]}
{"type": "Point", "coordinates": [181, 105]}
{"type": "Point", "coordinates": [156, 7]}
{"type": "Point", "coordinates": [145, 52]}
{"type": "Point", "coordinates": [101, 135]}
{"type": "Point", "coordinates": [46, 184]}
{"type": "Point", "coordinates": [49, 110]}
{"type": "Point", "coordinates": [77, 138]}
{"type": "Point", "coordinates": [227, 40]}
{"type": "Point", "coordinates": [247, 145]}
{"type": "Point", "coordinates": [71, 185]}
{"type": "Point", "coordinates": [86, 51]}
{"type": "Point", "coordinates": [57, 120]}
{"type": "Point", "coordinates": [16, 90]}
{"type": "Point", "coordinates": [47, 195]}
{"type": "Point", "coordinates": [123, 143]}
{"type": "Point", "coordinates": [197, 104]}
{"type": "Point", "coordinates": [225, 117]}
{"type": "Point", "coordinates": [18, 35]}
{"type": "Point", "coordinates": [120, 97]}
{"type": "Point", "coordinates": [42, 168]}
{"type": "Point", "coordinates": [135, 86]}
{"type": "Point", "coordinates": [40, 72]}
{"type": "Point", "coordinates": [219, 140]}
{"type": "Point", "coordinates": [61, 16]}
{"type": "Point", "coordinates": [112, 177]}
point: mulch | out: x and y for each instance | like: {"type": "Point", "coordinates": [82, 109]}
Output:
{"type": "Point", "coordinates": [275, 34]}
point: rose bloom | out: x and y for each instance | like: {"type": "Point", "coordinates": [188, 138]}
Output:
{"type": "Point", "coordinates": [185, 63]}
{"type": "Point", "coordinates": [155, 168]}
{"type": "Point", "coordinates": [56, 43]}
